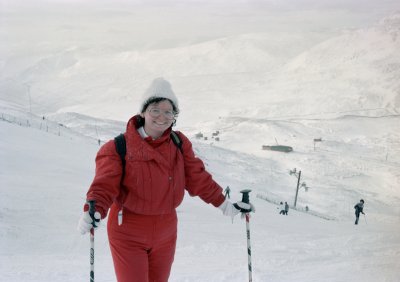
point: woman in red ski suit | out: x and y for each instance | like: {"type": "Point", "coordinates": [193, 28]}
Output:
{"type": "Point", "coordinates": [141, 200]}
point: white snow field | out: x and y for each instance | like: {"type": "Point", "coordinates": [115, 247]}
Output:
{"type": "Point", "coordinates": [44, 178]}
{"type": "Point", "coordinates": [269, 72]}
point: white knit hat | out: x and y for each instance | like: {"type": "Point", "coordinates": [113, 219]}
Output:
{"type": "Point", "coordinates": [159, 88]}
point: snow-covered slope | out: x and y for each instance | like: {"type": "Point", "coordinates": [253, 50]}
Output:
{"type": "Point", "coordinates": [43, 186]}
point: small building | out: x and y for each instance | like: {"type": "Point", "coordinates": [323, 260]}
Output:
{"type": "Point", "coordinates": [279, 148]}
{"type": "Point", "coordinates": [198, 135]}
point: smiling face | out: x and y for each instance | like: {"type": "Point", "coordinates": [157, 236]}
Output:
{"type": "Point", "coordinates": [158, 118]}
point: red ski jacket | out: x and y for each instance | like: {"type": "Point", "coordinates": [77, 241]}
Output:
{"type": "Point", "coordinates": [156, 175]}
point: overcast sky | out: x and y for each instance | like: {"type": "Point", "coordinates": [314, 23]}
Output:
{"type": "Point", "coordinates": [170, 23]}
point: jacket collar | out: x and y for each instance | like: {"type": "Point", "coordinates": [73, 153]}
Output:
{"type": "Point", "coordinates": [143, 148]}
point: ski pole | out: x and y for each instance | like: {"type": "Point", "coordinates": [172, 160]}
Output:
{"type": "Point", "coordinates": [365, 219]}
{"type": "Point", "coordinates": [91, 213]}
{"type": "Point", "coordinates": [245, 199]}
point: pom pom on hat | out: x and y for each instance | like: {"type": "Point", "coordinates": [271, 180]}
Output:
{"type": "Point", "coordinates": [159, 88]}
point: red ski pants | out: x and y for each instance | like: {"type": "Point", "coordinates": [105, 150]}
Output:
{"type": "Point", "coordinates": [143, 246]}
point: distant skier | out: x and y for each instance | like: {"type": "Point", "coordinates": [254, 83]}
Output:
{"type": "Point", "coordinates": [286, 208]}
{"type": "Point", "coordinates": [227, 192]}
{"type": "Point", "coordinates": [359, 209]}
{"type": "Point", "coordinates": [282, 208]}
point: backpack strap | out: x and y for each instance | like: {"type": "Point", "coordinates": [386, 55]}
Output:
{"type": "Point", "coordinates": [120, 146]}
{"type": "Point", "coordinates": [177, 140]}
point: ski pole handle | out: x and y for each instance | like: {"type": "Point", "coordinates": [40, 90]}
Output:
{"type": "Point", "coordinates": [245, 199]}
{"type": "Point", "coordinates": [245, 196]}
{"type": "Point", "coordinates": [92, 208]}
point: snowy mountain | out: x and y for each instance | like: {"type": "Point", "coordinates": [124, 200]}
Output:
{"type": "Point", "coordinates": [356, 71]}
